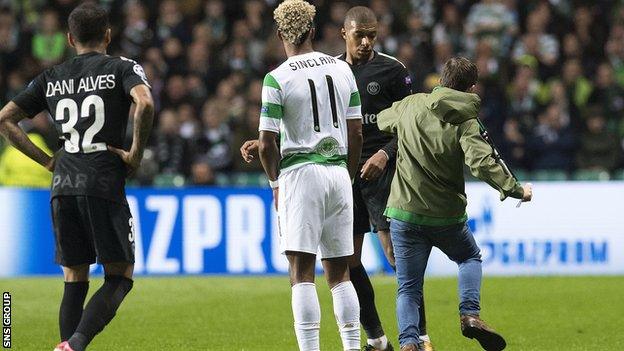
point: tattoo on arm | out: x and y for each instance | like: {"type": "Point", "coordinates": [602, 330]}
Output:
{"type": "Point", "coordinates": [143, 118]}
{"type": "Point", "coordinates": [10, 116]}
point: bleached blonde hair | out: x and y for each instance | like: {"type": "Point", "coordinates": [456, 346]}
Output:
{"type": "Point", "coordinates": [294, 20]}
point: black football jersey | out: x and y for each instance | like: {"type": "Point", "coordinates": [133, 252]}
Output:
{"type": "Point", "coordinates": [381, 81]}
{"type": "Point", "coordinates": [88, 97]}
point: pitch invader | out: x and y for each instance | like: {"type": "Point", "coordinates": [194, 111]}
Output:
{"type": "Point", "coordinates": [381, 80]}
{"type": "Point", "coordinates": [311, 101]}
{"type": "Point", "coordinates": [89, 98]}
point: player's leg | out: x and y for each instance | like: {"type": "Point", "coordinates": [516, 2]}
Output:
{"type": "Point", "coordinates": [345, 301]}
{"type": "Point", "coordinates": [336, 245]}
{"type": "Point", "coordinates": [305, 303]}
{"type": "Point", "coordinates": [301, 216]}
{"type": "Point", "coordinates": [74, 252]}
{"type": "Point", "coordinates": [369, 317]}
{"type": "Point", "coordinates": [74, 294]}
{"type": "Point", "coordinates": [111, 228]}
{"type": "Point", "coordinates": [458, 243]}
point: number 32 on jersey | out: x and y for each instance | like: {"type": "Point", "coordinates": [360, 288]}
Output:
{"type": "Point", "coordinates": [73, 137]}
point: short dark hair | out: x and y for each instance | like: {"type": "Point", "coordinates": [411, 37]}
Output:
{"type": "Point", "coordinates": [459, 73]}
{"type": "Point", "coordinates": [359, 14]}
{"type": "Point", "coordinates": [88, 24]}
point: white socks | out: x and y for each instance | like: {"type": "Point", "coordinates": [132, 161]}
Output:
{"type": "Point", "coordinates": [379, 343]}
{"type": "Point", "coordinates": [424, 338]}
{"type": "Point", "coordinates": [347, 312]}
{"type": "Point", "coordinates": [307, 314]}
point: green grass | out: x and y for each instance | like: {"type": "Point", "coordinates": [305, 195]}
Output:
{"type": "Point", "coordinates": [253, 313]}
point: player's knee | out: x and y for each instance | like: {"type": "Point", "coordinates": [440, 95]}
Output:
{"type": "Point", "coordinates": [76, 273]}
{"type": "Point", "coordinates": [120, 269]}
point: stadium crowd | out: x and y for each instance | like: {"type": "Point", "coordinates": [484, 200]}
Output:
{"type": "Point", "coordinates": [551, 73]}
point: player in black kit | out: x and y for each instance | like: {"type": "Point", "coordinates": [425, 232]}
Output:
{"type": "Point", "coordinates": [381, 80]}
{"type": "Point", "coordinates": [89, 98]}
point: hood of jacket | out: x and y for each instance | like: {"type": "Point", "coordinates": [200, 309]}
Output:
{"type": "Point", "coordinates": [453, 106]}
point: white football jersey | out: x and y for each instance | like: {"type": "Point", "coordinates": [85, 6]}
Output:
{"type": "Point", "coordinates": [307, 100]}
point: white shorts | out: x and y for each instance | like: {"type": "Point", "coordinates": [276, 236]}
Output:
{"type": "Point", "coordinates": [316, 210]}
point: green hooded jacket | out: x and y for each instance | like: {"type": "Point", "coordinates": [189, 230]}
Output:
{"type": "Point", "coordinates": [438, 133]}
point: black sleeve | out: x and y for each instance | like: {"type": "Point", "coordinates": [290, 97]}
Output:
{"type": "Point", "coordinates": [132, 74]}
{"type": "Point", "coordinates": [391, 148]}
{"type": "Point", "coordinates": [401, 87]}
{"type": "Point", "coordinates": [402, 83]}
{"type": "Point", "coordinates": [32, 100]}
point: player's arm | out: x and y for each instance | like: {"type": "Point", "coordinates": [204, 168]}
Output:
{"type": "Point", "coordinates": [355, 140]}
{"type": "Point", "coordinates": [143, 120]}
{"type": "Point", "coordinates": [401, 88]}
{"type": "Point", "coordinates": [269, 153]}
{"type": "Point", "coordinates": [10, 116]}
{"type": "Point", "coordinates": [479, 157]}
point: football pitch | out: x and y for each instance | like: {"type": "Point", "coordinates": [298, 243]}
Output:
{"type": "Point", "coordinates": [253, 313]}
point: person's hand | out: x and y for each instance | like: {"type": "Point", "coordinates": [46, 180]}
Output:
{"type": "Point", "coordinates": [131, 158]}
{"type": "Point", "coordinates": [374, 166]}
{"type": "Point", "coordinates": [249, 147]}
{"type": "Point", "coordinates": [528, 192]}
{"type": "Point", "coordinates": [275, 197]}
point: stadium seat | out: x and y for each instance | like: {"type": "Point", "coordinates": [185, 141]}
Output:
{"type": "Point", "coordinates": [549, 175]}
{"type": "Point", "coordinates": [169, 181]}
{"type": "Point", "coordinates": [590, 174]}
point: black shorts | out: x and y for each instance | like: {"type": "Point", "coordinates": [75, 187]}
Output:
{"type": "Point", "coordinates": [369, 202]}
{"type": "Point", "coordinates": [87, 228]}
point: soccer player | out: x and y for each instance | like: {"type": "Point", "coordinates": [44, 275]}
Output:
{"type": "Point", "coordinates": [311, 101]}
{"type": "Point", "coordinates": [89, 98]}
{"type": "Point", "coordinates": [381, 80]}
{"type": "Point", "coordinates": [438, 134]}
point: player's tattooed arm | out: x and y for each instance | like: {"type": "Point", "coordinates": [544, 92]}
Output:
{"type": "Point", "coordinates": [355, 140]}
{"type": "Point", "coordinates": [143, 120]}
{"type": "Point", "coordinates": [10, 116]}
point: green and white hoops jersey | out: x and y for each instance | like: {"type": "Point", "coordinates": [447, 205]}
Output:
{"type": "Point", "coordinates": [307, 100]}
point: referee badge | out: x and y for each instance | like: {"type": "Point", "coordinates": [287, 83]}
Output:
{"type": "Point", "coordinates": [373, 88]}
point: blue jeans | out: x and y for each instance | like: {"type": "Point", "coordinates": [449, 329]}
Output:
{"type": "Point", "coordinates": [412, 246]}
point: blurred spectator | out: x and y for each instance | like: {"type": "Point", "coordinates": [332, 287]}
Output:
{"type": "Point", "coordinates": [577, 86]}
{"type": "Point", "coordinates": [202, 174]}
{"type": "Point", "coordinates": [599, 148]}
{"type": "Point", "coordinates": [537, 43]}
{"type": "Point", "coordinates": [522, 95]}
{"type": "Point", "coordinates": [136, 35]}
{"type": "Point", "coordinates": [49, 42]}
{"type": "Point", "coordinates": [450, 30]}
{"type": "Point", "coordinates": [216, 20]}
{"type": "Point", "coordinates": [513, 146]}
{"type": "Point", "coordinates": [171, 150]}
{"type": "Point", "coordinates": [609, 96]}
{"type": "Point", "coordinates": [552, 145]}
{"type": "Point", "coordinates": [493, 21]}
{"type": "Point", "coordinates": [213, 144]}
{"type": "Point", "coordinates": [171, 23]}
